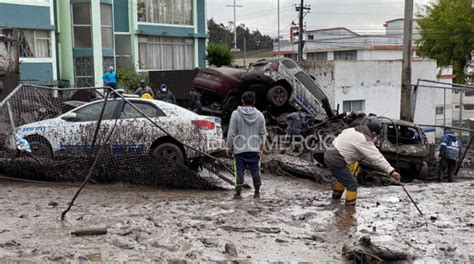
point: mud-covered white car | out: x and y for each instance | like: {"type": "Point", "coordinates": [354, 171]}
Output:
{"type": "Point", "coordinates": [72, 133]}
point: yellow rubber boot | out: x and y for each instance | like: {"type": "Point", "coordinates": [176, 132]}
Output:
{"type": "Point", "coordinates": [351, 198]}
{"type": "Point", "coordinates": [337, 191]}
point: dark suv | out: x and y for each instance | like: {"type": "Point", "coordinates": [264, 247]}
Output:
{"type": "Point", "coordinates": [280, 85]}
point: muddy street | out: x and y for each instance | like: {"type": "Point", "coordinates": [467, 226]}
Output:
{"type": "Point", "coordinates": [294, 221]}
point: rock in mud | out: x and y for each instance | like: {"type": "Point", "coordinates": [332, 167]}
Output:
{"type": "Point", "coordinates": [367, 252]}
{"type": "Point", "coordinates": [53, 204]}
{"type": "Point", "coordinates": [230, 249]}
{"type": "Point", "coordinates": [122, 243]}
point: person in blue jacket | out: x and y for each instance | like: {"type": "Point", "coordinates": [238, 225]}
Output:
{"type": "Point", "coordinates": [110, 78]}
{"type": "Point", "coordinates": [449, 155]}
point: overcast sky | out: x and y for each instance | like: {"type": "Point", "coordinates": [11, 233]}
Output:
{"type": "Point", "coordinates": [362, 16]}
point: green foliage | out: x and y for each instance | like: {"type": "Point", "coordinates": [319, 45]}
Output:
{"type": "Point", "coordinates": [219, 54]}
{"type": "Point", "coordinates": [447, 35]}
{"type": "Point", "coordinates": [218, 33]}
{"type": "Point", "coordinates": [130, 79]}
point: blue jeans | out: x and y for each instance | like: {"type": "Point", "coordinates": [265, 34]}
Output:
{"type": "Point", "coordinates": [245, 160]}
{"type": "Point", "coordinates": [342, 175]}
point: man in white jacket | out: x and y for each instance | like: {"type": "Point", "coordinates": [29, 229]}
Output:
{"type": "Point", "coordinates": [353, 145]}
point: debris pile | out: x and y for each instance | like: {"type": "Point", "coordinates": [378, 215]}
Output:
{"type": "Point", "coordinates": [367, 252]}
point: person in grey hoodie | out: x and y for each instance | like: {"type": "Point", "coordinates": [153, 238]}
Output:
{"type": "Point", "coordinates": [245, 139]}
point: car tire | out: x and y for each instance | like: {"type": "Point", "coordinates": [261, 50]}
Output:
{"type": "Point", "coordinates": [169, 151]}
{"type": "Point", "coordinates": [40, 148]}
{"type": "Point", "coordinates": [231, 104]}
{"type": "Point", "coordinates": [277, 96]}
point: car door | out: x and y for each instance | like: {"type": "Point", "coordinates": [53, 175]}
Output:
{"type": "Point", "coordinates": [135, 133]}
{"type": "Point", "coordinates": [76, 136]}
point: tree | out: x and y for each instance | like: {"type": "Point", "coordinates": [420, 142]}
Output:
{"type": "Point", "coordinates": [447, 35]}
{"type": "Point", "coordinates": [219, 54]}
{"type": "Point", "coordinates": [218, 33]}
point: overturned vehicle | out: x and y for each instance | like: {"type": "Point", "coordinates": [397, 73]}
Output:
{"type": "Point", "coordinates": [280, 84]}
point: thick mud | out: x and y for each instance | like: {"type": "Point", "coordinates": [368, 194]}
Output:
{"type": "Point", "coordinates": [294, 221]}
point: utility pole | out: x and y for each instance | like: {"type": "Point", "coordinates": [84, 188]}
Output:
{"type": "Point", "coordinates": [278, 3]}
{"type": "Point", "coordinates": [301, 9]}
{"type": "Point", "coordinates": [405, 99]}
{"type": "Point", "coordinates": [245, 52]}
{"type": "Point", "coordinates": [235, 23]}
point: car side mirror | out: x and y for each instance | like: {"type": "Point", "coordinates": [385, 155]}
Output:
{"type": "Point", "coordinates": [312, 77]}
{"type": "Point", "coordinates": [70, 116]}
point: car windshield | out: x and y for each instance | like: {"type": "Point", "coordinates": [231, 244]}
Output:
{"type": "Point", "coordinates": [407, 135]}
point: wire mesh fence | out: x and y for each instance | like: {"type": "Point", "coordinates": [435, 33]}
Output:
{"type": "Point", "coordinates": [439, 105]}
{"type": "Point", "coordinates": [55, 134]}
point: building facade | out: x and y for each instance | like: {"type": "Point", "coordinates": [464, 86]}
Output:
{"type": "Point", "coordinates": [34, 22]}
{"type": "Point", "coordinates": [77, 40]}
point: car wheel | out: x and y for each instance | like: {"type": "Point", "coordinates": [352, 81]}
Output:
{"type": "Point", "coordinates": [40, 148]}
{"type": "Point", "coordinates": [170, 152]}
{"type": "Point", "coordinates": [277, 96]}
{"type": "Point", "coordinates": [231, 104]}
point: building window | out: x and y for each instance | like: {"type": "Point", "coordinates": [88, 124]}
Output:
{"type": "Point", "coordinates": [439, 110]}
{"type": "Point", "coordinates": [179, 12]}
{"type": "Point", "coordinates": [106, 26]}
{"type": "Point", "coordinates": [468, 106]}
{"type": "Point", "coordinates": [84, 71]}
{"type": "Point", "coordinates": [35, 43]}
{"type": "Point", "coordinates": [469, 93]}
{"type": "Point", "coordinates": [166, 53]}
{"type": "Point", "coordinates": [345, 55]}
{"type": "Point", "coordinates": [310, 37]}
{"type": "Point", "coordinates": [353, 106]}
{"type": "Point", "coordinates": [317, 56]}
{"type": "Point", "coordinates": [123, 51]}
{"type": "Point", "coordinates": [81, 24]}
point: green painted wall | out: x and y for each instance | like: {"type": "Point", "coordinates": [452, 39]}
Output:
{"type": "Point", "coordinates": [64, 27]}
{"type": "Point", "coordinates": [25, 16]}
{"type": "Point", "coordinates": [121, 20]}
{"type": "Point", "coordinates": [201, 52]}
{"type": "Point", "coordinates": [201, 16]}
{"type": "Point", "coordinates": [36, 72]}
{"type": "Point", "coordinates": [171, 31]}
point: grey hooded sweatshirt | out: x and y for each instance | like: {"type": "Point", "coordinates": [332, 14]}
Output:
{"type": "Point", "coordinates": [247, 130]}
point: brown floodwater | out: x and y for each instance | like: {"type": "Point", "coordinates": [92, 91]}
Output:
{"type": "Point", "coordinates": [295, 220]}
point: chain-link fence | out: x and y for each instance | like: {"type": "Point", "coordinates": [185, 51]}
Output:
{"type": "Point", "coordinates": [439, 104]}
{"type": "Point", "coordinates": [55, 134]}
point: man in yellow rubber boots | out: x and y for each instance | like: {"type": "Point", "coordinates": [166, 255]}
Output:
{"type": "Point", "coordinates": [353, 145]}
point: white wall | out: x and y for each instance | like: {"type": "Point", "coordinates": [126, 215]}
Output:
{"type": "Point", "coordinates": [378, 83]}
{"type": "Point", "coordinates": [379, 55]}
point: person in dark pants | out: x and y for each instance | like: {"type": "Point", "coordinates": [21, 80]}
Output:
{"type": "Point", "coordinates": [449, 155]}
{"type": "Point", "coordinates": [353, 145]}
{"type": "Point", "coordinates": [165, 95]}
{"type": "Point", "coordinates": [246, 138]}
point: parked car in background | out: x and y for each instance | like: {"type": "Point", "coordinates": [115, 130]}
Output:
{"type": "Point", "coordinates": [280, 85]}
{"type": "Point", "coordinates": [72, 133]}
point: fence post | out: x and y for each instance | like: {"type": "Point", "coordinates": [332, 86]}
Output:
{"type": "Point", "coordinates": [444, 107]}
{"type": "Point", "coordinates": [10, 115]}
{"type": "Point", "coordinates": [461, 106]}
